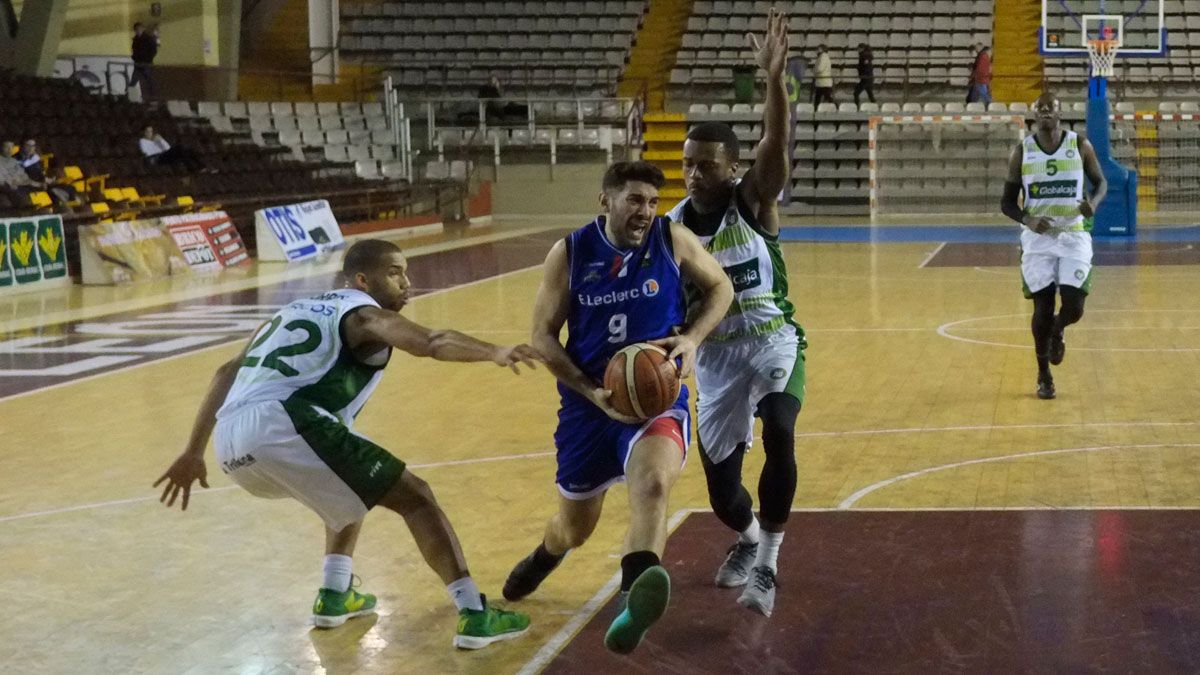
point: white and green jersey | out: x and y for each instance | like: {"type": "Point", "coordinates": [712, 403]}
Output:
{"type": "Point", "coordinates": [754, 263]}
{"type": "Point", "coordinates": [1054, 186]}
{"type": "Point", "coordinates": [299, 356]}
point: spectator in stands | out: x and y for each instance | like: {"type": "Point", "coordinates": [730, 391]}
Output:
{"type": "Point", "coordinates": [981, 77]}
{"type": "Point", "coordinates": [31, 161]}
{"type": "Point", "coordinates": [14, 181]}
{"type": "Point", "coordinates": [497, 111]}
{"type": "Point", "coordinates": [866, 74]}
{"type": "Point", "coordinates": [145, 48]}
{"type": "Point", "coordinates": [823, 74]}
{"type": "Point", "coordinates": [159, 152]}
{"type": "Point", "coordinates": [60, 188]}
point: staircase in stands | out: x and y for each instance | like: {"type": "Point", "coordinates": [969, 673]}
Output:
{"type": "Point", "coordinates": [1017, 66]}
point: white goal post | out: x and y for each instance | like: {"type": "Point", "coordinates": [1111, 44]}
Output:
{"type": "Point", "coordinates": [940, 164]}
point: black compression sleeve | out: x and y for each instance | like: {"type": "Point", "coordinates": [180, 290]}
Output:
{"type": "Point", "coordinates": [1008, 203]}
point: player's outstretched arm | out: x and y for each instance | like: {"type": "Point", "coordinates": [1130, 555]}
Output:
{"type": "Point", "coordinates": [705, 273]}
{"type": "Point", "coordinates": [374, 326]}
{"type": "Point", "coordinates": [189, 466]}
{"type": "Point", "coordinates": [767, 178]}
{"type": "Point", "coordinates": [1091, 167]}
{"type": "Point", "coordinates": [550, 312]}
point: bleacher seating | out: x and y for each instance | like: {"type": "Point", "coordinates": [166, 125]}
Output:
{"type": "Point", "coordinates": [917, 44]}
{"type": "Point", "coordinates": [431, 46]}
{"type": "Point", "coordinates": [340, 132]}
{"type": "Point", "coordinates": [98, 134]}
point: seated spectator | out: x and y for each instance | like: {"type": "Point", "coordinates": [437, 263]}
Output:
{"type": "Point", "coordinates": [161, 153]}
{"type": "Point", "coordinates": [497, 111]}
{"type": "Point", "coordinates": [60, 188]}
{"type": "Point", "coordinates": [31, 161]}
{"type": "Point", "coordinates": [14, 180]}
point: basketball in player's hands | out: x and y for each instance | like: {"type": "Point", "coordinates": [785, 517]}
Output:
{"type": "Point", "coordinates": [643, 382]}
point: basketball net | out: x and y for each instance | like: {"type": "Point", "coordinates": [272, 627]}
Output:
{"type": "Point", "coordinates": [1103, 54]}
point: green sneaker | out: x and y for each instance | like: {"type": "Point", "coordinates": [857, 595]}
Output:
{"type": "Point", "coordinates": [480, 628]}
{"type": "Point", "coordinates": [333, 609]}
{"type": "Point", "coordinates": [645, 604]}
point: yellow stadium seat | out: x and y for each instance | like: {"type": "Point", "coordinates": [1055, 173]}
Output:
{"type": "Point", "coordinates": [101, 208]}
{"type": "Point", "coordinates": [114, 195]}
{"type": "Point", "coordinates": [40, 199]}
{"type": "Point", "coordinates": [185, 200]}
{"type": "Point", "coordinates": [72, 173]}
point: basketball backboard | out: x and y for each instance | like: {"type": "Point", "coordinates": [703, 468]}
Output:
{"type": "Point", "coordinates": [1067, 25]}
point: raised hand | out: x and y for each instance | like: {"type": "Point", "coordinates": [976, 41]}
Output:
{"type": "Point", "coordinates": [771, 54]}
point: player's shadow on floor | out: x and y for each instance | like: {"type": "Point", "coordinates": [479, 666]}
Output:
{"type": "Point", "coordinates": [339, 648]}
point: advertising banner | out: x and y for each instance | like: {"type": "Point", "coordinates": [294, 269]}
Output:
{"type": "Point", "coordinates": [33, 253]}
{"type": "Point", "coordinates": [296, 231]}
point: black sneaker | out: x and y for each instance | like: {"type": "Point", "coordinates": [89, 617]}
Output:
{"type": "Point", "coordinates": [1045, 389]}
{"type": "Point", "coordinates": [529, 574]}
{"type": "Point", "coordinates": [1058, 349]}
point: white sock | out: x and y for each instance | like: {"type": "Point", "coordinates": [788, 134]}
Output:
{"type": "Point", "coordinates": [768, 549]}
{"type": "Point", "coordinates": [337, 572]}
{"type": "Point", "coordinates": [465, 594]}
{"type": "Point", "coordinates": [750, 534]}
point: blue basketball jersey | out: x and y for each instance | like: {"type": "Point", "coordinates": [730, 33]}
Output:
{"type": "Point", "coordinates": [619, 297]}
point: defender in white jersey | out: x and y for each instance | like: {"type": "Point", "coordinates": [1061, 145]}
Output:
{"type": "Point", "coordinates": [752, 364]}
{"type": "Point", "coordinates": [1049, 167]}
{"type": "Point", "coordinates": [287, 405]}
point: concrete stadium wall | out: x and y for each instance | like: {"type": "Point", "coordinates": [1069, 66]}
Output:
{"type": "Point", "coordinates": [189, 29]}
{"type": "Point", "coordinates": [528, 190]}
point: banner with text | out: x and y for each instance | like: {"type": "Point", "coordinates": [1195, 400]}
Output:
{"type": "Point", "coordinates": [296, 231]}
{"type": "Point", "coordinates": [33, 253]}
{"type": "Point", "coordinates": [128, 251]}
{"type": "Point", "coordinates": [209, 241]}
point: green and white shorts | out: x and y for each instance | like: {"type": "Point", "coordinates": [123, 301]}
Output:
{"type": "Point", "coordinates": [1040, 270]}
{"type": "Point", "coordinates": [290, 449]}
{"type": "Point", "coordinates": [733, 377]}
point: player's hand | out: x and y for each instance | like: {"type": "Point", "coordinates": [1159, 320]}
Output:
{"type": "Point", "coordinates": [682, 347]}
{"type": "Point", "coordinates": [600, 396]}
{"type": "Point", "coordinates": [185, 470]}
{"type": "Point", "coordinates": [771, 53]}
{"type": "Point", "coordinates": [1040, 224]}
{"type": "Point", "coordinates": [1086, 209]}
{"type": "Point", "coordinates": [511, 356]}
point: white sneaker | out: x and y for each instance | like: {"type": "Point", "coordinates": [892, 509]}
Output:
{"type": "Point", "coordinates": [736, 569]}
{"type": "Point", "coordinates": [760, 591]}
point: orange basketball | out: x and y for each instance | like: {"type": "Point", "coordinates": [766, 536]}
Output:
{"type": "Point", "coordinates": [643, 382]}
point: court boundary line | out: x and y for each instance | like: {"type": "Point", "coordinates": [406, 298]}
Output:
{"type": "Point", "coordinates": [932, 255]}
{"type": "Point", "coordinates": [227, 488]}
{"type": "Point", "coordinates": [944, 331]}
{"type": "Point", "coordinates": [809, 434]}
{"type": "Point", "coordinates": [849, 502]}
{"type": "Point", "coordinates": [225, 343]}
{"type": "Point", "coordinates": [550, 649]}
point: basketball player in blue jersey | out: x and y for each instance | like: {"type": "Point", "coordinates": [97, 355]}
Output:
{"type": "Point", "coordinates": [615, 282]}
{"type": "Point", "coordinates": [283, 411]}
{"type": "Point", "coordinates": [752, 364]}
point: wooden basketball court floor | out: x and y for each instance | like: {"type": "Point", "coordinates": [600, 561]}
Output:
{"type": "Point", "coordinates": [922, 451]}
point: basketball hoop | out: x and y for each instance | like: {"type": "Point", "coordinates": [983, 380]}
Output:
{"type": "Point", "coordinates": [1103, 54]}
